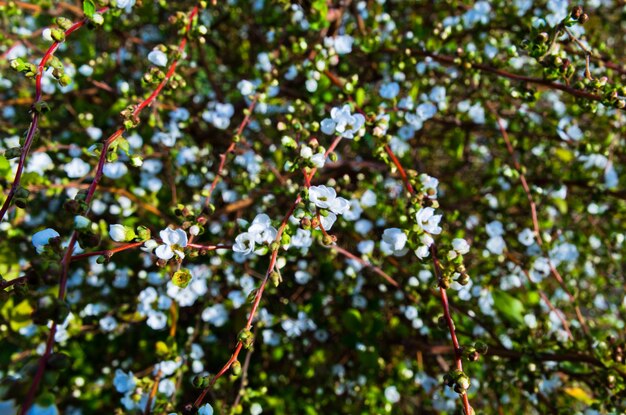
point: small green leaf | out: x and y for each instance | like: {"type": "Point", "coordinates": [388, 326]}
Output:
{"type": "Point", "coordinates": [89, 8]}
{"type": "Point", "coordinates": [509, 307]}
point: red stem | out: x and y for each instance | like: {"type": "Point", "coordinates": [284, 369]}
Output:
{"type": "Point", "coordinates": [67, 258]}
{"type": "Point", "coordinates": [259, 293]}
{"type": "Point", "coordinates": [32, 129]}
{"type": "Point", "coordinates": [533, 209]}
{"type": "Point", "coordinates": [444, 297]}
{"type": "Point", "coordinates": [230, 149]}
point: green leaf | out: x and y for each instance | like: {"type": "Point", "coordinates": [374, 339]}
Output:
{"type": "Point", "coordinates": [351, 320]}
{"type": "Point", "coordinates": [89, 8]}
{"type": "Point", "coordinates": [509, 307]}
{"type": "Point", "coordinates": [579, 394]}
{"type": "Point", "coordinates": [18, 315]}
{"type": "Point", "coordinates": [5, 167]}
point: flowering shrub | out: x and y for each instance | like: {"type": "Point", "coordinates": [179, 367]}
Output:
{"type": "Point", "coordinates": [311, 207]}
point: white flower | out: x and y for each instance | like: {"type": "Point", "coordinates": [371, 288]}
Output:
{"type": "Point", "coordinates": [117, 233]}
{"type": "Point", "coordinates": [149, 245]}
{"type": "Point", "coordinates": [156, 320]}
{"type": "Point", "coordinates": [430, 184]}
{"type": "Point", "coordinates": [256, 409]}
{"type": "Point", "coordinates": [428, 221]}
{"type": "Point", "coordinates": [205, 410]}
{"type": "Point", "coordinates": [389, 90]}
{"type": "Point", "coordinates": [108, 323]}
{"type": "Point", "coordinates": [426, 111]}
{"type": "Point", "coordinates": [81, 222]}
{"type": "Point", "coordinates": [124, 382]}
{"type": "Point", "coordinates": [47, 34]}
{"type": "Point", "coordinates": [342, 43]}
{"type": "Point", "coordinates": [302, 239]}
{"type": "Point", "coordinates": [158, 58]}
{"type": "Point", "coordinates": [215, 315]}
{"type": "Point", "coordinates": [391, 394]}
{"type": "Point", "coordinates": [246, 87]}
{"type": "Point", "coordinates": [322, 196]}
{"type": "Point", "coordinates": [172, 239]}
{"type": "Point", "coordinates": [41, 238]}
{"type": "Point", "coordinates": [125, 4]}
{"type": "Point", "coordinates": [244, 243]}
{"type": "Point", "coordinates": [496, 245]}
{"type": "Point", "coordinates": [494, 228]}
{"type": "Point", "coordinates": [194, 230]}
{"type": "Point", "coordinates": [339, 206]}
{"type": "Point", "coordinates": [328, 220]}
{"type": "Point", "coordinates": [306, 152]}
{"type": "Point", "coordinates": [114, 170]}
{"type": "Point", "coordinates": [261, 229]}
{"type": "Point", "coordinates": [460, 246]}
{"type": "Point", "coordinates": [526, 237]}
{"type": "Point", "coordinates": [438, 94]}
{"type": "Point", "coordinates": [395, 238]}
{"type": "Point", "coordinates": [342, 122]}
{"type": "Point", "coordinates": [318, 160]}
{"type": "Point", "coordinates": [76, 168]}
{"type": "Point", "coordinates": [219, 114]}
{"type": "Point", "coordinates": [37, 409]}
{"type": "Point", "coordinates": [368, 199]}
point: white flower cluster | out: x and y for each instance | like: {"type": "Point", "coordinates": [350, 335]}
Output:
{"type": "Point", "coordinates": [318, 159]}
{"type": "Point", "coordinates": [394, 241]}
{"type": "Point", "coordinates": [259, 232]}
{"type": "Point", "coordinates": [343, 123]}
{"type": "Point", "coordinates": [219, 114]}
{"type": "Point", "coordinates": [459, 247]}
{"type": "Point", "coordinates": [341, 44]}
{"type": "Point", "coordinates": [173, 240]}
{"type": "Point", "coordinates": [495, 243]}
{"type": "Point", "coordinates": [429, 222]}
{"type": "Point", "coordinates": [326, 198]}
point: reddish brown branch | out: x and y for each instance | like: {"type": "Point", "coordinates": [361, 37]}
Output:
{"type": "Point", "coordinates": [444, 297]}
{"type": "Point", "coordinates": [32, 129]}
{"type": "Point", "coordinates": [533, 209]}
{"type": "Point", "coordinates": [261, 289]}
{"type": "Point", "coordinates": [67, 257]}
{"type": "Point", "coordinates": [230, 149]}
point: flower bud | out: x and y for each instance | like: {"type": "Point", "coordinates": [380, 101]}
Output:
{"type": "Point", "coordinates": [63, 22]}
{"type": "Point", "coordinates": [58, 35]}
{"type": "Point", "coordinates": [81, 222]}
{"type": "Point", "coordinates": [276, 278]}
{"type": "Point", "coordinates": [200, 382]}
{"type": "Point", "coordinates": [65, 80]}
{"type": "Point", "coordinates": [246, 338]}
{"type": "Point", "coordinates": [121, 233]}
{"type": "Point", "coordinates": [236, 367]}
{"type": "Point", "coordinates": [97, 19]}
{"type": "Point", "coordinates": [181, 278]}
{"type": "Point", "coordinates": [13, 152]}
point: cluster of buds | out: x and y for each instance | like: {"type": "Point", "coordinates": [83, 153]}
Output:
{"type": "Point", "coordinates": [457, 380]}
{"type": "Point", "coordinates": [130, 118]}
{"type": "Point", "coordinates": [578, 16]}
{"type": "Point", "coordinates": [472, 353]}
{"type": "Point", "coordinates": [246, 338]}
{"type": "Point", "coordinates": [78, 205]}
{"type": "Point", "coordinates": [153, 77]}
{"type": "Point", "coordinates": [28, 69]}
